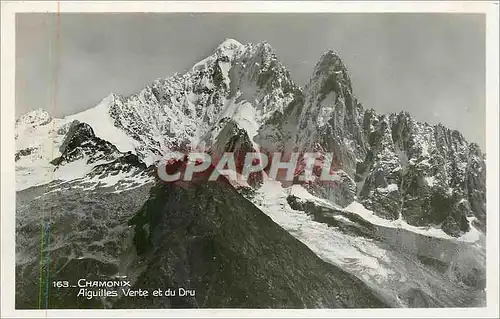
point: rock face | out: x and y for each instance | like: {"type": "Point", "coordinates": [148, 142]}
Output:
{"type": "Point", "coordinates": [245, 83]}
{"type": "Point", "coordinates": [80, 142]}
{"type": "Point", "coordinates": [421, 173]}
{"type": "Point", "coordinates": [396, 166]}
{"type": "Point", "coordinates": [208, 238]}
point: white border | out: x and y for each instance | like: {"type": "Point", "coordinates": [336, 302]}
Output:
{"type": "Point", "coordinates": [8, 10]}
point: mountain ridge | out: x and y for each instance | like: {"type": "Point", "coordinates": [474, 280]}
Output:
{"type": "Point", "coordinates": [404, 184]}
{"type": "Point", "coordinates": [380, 156]}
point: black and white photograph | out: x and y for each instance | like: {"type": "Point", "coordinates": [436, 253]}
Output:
{"type": "Point", "coordinates": [250, 160]}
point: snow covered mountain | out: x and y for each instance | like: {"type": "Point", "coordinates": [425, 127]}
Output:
{"type": "Point", "coordinates": [402, 182]}
{"type": "Point", "coordinates": [426, 174]}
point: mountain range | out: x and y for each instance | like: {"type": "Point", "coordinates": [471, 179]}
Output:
{"type": "Point", "coordinates": [404, 227]}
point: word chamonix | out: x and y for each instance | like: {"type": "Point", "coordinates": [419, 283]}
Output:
{"type": "Point", "coordinates": [301, 167]}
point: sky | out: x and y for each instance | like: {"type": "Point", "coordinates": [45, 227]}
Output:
{"type": "Point", "coordinates": [432, 65]}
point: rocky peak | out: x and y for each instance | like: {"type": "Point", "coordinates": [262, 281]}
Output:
{"type": "Point", "coordinates": [259, 69]}
{"type": "Point", "coordinates": [330, 74]}
{"type": "Point", "coordinates": [421, 173]}
{"type": "Point", "coordinates": [243, 82]}
{"type": "Point", "coordinates": [396, 166]}
{"type": "Point", "coordinates": [331, 116]}
{"type": "Point", "coordinates": [34, 118]}
{"type": "Point", "coordinates": [80, 142]}
{"type": "Point", "coordinates": [330, 61]}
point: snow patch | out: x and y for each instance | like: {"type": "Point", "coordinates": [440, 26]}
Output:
{"type": "Point", "coordinates": [473, 235]}
{"type": "Point", "coordinates": [203, 64]}
{"type": "Point", "coordinates": [29, 176]}
{"type": "Point", "coordinates": [390, 188]}
{"type": "Point", "coordinates": [229, 48]}
{"type": "Point", "coordinates": [224, 67]}
{"type": "Point", "coordinates": [359, 255]}
{"type": "Point", "coordinates": [73, 170]}
{"type": "Point", "coordinates": [369, 216]}
{"type": "Point", "coordinates": [244, 115]}
{"type": "Point", "coordinates": [344, 219]}
{"type": "Point", "coordinates": [102, 124]}
{"type": "Point", "coordinates": [300, 192]}
{"type": "Point", "coordinates": [39, 138]}
{"type": "Point", "coordinates": [430, 180]}
{"type": "Point", "coordinates": [326, 108]}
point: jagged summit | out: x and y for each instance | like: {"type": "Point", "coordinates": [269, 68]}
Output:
{"type": "Point", "coordinates": [330, 61]}
{"type": "Point", "coordinates": [330, 74]}
{"type": "Point", "coordinates": [330, 54]}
